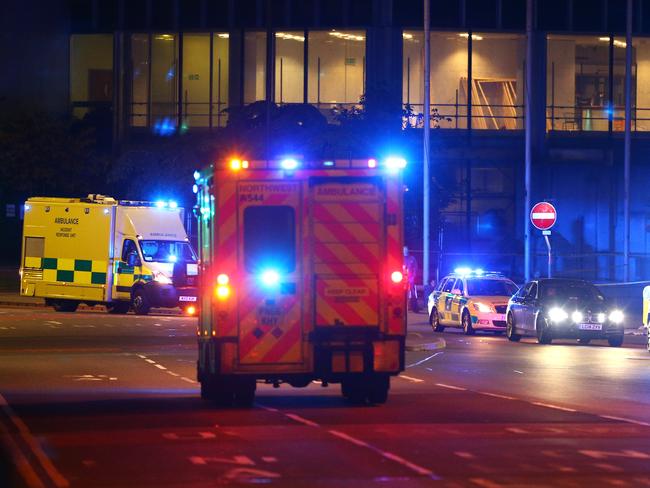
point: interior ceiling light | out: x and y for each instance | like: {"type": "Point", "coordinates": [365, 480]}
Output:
{"type": "Point", "coordinates": [347, 37]}
{"type": "Point", "coordinates": [165, 37]}
{"type": "Point", "coordinates": [475, 37]}
{"type": "Point", "coordinates": [617, 43]}
{"type": "Point", "coordinates": [407, 36]}
{"type": "Point", "coordinates": [289, 37]}
{"type": "Point", "coordinates": [224, 35]}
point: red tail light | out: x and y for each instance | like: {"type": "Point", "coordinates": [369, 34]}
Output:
{"type": "Point", "coordinates": [396, 277]}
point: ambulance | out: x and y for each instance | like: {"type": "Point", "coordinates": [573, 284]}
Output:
{"type": "Point", "coordinates": [97, 250]}
{"type": "Point", "coordinates": [300, 276]}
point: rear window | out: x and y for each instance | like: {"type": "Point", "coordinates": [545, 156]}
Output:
{"type": "Point", "coordinates": [270, 238]}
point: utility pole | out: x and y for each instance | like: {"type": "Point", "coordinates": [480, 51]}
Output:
{"type": "Point", "coordinates": [426, 178]}
{"type": "Point", "coordinates": [628, 141]}
{"type": "Point", "coordinates": [529, 129]}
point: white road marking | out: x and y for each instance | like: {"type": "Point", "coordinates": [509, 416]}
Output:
{"type": "Point", "coordinates": [55, 476]}
{"type": "Point", "coordinates": [451, 387]}
{"type": "Point", "coordinates": [497, 395]}
{"type": "Point", "coordinates": [269, 459]}
{"type": "Point", "coordinates": [608, 467]}
{"type": "Point", "coordinates": [424, 360]}
{"type": "Point", "coordinates": [349, 438]}
{"type": "Point", "coordinates": [79, 326]}
{"type": "Point", "coordinates": [302, 420]}
{"type": "Point", "coordinates": [173, 436]}
{"type": "Point", "coordinates": [268, 409]}
{"type": "Point", "coordinates": [141, 356]}
{"type": "Point", "coordinates": [172, 373]}
{"type": "Point", "coordinates": [159, 366]}
{"type": "Point", "coordinates": [517, 371]}
{"type": "Point", "coordinates": [188, 380]}
{"type": "Point", "coordinates": [464, 455]}
{"type": "Point", "coordinates": [623, 419]}
{"type": "Point", "coordinates": [626, 453]}
{"type": "Point", "coordinates": [410, 378]}
{"type": "Point", "coordinates": [556, 407]}
{"type": "Point", "coordinates": [517, 430]}
{"type": "Point", "coordinates": [150, 361]}
{"type": "Point", "coordinates": [54, 322]}
{"type": "Point", "coordinates": [485, 483]}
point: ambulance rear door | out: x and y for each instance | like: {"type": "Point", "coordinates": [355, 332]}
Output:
{"type": "Point", "coordinates": [270, 268]}
{"type": "Point", "coordinates": [349, 238]}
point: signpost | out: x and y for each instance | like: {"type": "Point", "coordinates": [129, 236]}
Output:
{"type": "Point", "coordinates": [543, 216]}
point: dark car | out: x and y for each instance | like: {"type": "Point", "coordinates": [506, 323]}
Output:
{"type": "Point", "coordinates": [563, 308]}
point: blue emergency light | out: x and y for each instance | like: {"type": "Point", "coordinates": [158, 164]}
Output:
{"type": "Point", "coordinates": [270, 278]}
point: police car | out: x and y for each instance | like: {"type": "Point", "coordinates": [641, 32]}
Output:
{"type": "Point", "coordinates": [471, 299]}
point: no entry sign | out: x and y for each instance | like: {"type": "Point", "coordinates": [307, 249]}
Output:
{"type": "Point", "coordinates": [543, 215]}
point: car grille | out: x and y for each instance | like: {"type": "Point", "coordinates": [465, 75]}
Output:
{"type": "Point", "coordinates": [499, 323]}
{"type": "Point", "coordinates": [501, 308]}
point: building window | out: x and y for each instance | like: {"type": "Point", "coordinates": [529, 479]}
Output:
{"type": "Point", "coordinates": [448, 78]}
{"type": "Point", "coordinates": [91, 72]}
{"type": "Point", "coordinates": [578, 96]}
{"type": "Point", "coordinates": [254, 66]}
{"type": "Point", "coordinates": [220, 71]}
{"type": "Point", "coordinates": [164, 82]}
{"type": "Point", "coordinates": [498, 81]}
{"type": "Point", "coordinates": [154, 81]}
{"type": "Point", "coordinates": [196, 80]}
{"type": "Point", "coordinates": [139, 80]}
{"type": "Point", "coordinates": [289, 67]}
{"type": "Point", "coordinates": [336, 67]}
{"type": "Point", "coordinates": [495, 88]}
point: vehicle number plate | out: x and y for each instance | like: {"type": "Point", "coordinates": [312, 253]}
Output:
{"type": "Point", "coordinates": [186, 299]}
{"type": "Point", "coordinates": [590, 327]}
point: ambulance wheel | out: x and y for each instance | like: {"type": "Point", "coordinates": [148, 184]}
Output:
{"type": "Point", "coordinates": [245, 393]}
{"type": "Point", "coordinates": [378, 389]}
{"type": "Point", "coordinates": [140, 302]}
{"type": "Point", "coordinates": [353, 390]}
{"type": "Point", "coordinates": [466, 322]}
{"type": "Point", "coordinates": [119, 308]}
{"type": "Point", "coordinates": [65, 305]}
{"type": "Point", "coordinates": [207, 390]}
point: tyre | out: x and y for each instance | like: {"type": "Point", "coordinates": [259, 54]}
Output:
{"type": "Point", "coordinates": [378, 389]}
{"type": "Point", "coordinates": [543, 331]}
{"type": "Point", "coordinates": [118, 308]}
{"type": "Point", "coordinates": [434, 320]}
{"type": "Point", "coordinates": [353, 390]}
{"type": "Point", "coordinates": [511, 333]}
{"type": "Point", "coordinates": [615, 341]}
{"type": "Point", "coordinates": [65, 305]}
{"type": "Point", "coordinates": [466, 322]}
{"type": "Point", "coordinates": [207, 390]}
{"type": "Point", "coordinates": [140, 303]}
{"type": "Point", "coordinates": [584, 341]}
{"type": "Point", "coordinates": [244, 393]}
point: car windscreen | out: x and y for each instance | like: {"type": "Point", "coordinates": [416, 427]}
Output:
{"type": "Point", "coordinates": [485, 287]}
{"type": "Point", "coordinates": [570, 291]}
{"type": "Point", "coordinates": [167, 251]}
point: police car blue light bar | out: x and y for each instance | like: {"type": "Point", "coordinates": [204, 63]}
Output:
{"type": "Point", "coordinates": [394, 162]}
{"type": "Point", "coordinates": [289, 163]}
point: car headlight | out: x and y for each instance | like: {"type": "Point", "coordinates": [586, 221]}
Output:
{"type": "Point", "coordinates": [161, 278]}
{"type": "Point", "coordinates": [577, 316]}
{"type": "Point", "coordinates": [616, 316]}
{"type": "Point", "coordinates": [482, 307]}
{"type": "Point", "coordinates": [556, 314]}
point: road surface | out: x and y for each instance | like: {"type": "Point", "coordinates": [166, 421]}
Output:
{"type": "Point", "coordinates": [89, 399]}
